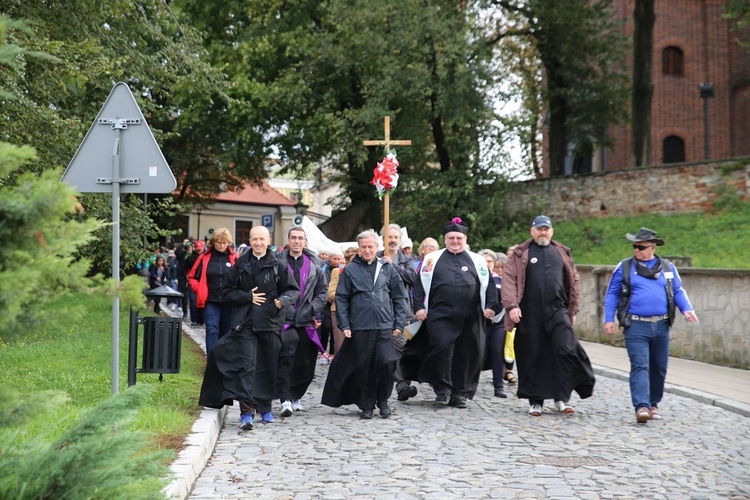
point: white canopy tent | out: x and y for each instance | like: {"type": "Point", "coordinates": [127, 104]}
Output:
{"type": "Point", "coordinates": [317, 241]}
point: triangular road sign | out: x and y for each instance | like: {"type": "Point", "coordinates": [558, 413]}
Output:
{"type": "Point", "coordinates": [143, 168]}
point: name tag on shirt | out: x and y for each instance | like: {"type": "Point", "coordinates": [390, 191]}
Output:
{"type": "Point", "coordinates": [669, 275]}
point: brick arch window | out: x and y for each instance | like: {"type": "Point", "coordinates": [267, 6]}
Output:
{"type": "Point", "coordinates": [673, 60]}
{"type": "Point", "coordinates": [673, 149]}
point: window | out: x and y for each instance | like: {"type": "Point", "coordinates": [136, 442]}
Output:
{"type": "Point", "coordinates": [673, 149]}
{"type": "Point", "coordinates": [672, 61]}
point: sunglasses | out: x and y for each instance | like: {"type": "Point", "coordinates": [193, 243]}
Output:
{"type": "Point", "coordinates": [641, 247]}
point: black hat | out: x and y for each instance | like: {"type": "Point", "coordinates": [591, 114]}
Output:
{"type": "Point", "coordinates": [645, 234]}
{"type": "Point", "coordinates": [541, 221]}
{"type": "Point", "coordinates": [456, 224]}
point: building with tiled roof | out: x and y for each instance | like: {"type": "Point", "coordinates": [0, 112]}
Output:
{"type": "Point", "coordinates": [239, 211]}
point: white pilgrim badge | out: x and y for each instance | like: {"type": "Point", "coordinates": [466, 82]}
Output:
{"type": "Point", "coordinates": [533, 260]}
{"type": "Point", "coordinates": [464, 268]}
{"type": "Point", "coordinates": [228, 264]}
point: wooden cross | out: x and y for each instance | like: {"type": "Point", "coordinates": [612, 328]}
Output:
{"type": "Point", "coordinates": [387, 143]}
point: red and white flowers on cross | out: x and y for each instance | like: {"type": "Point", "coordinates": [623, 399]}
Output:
{"type": "Point", "coordinates": [385, 176]}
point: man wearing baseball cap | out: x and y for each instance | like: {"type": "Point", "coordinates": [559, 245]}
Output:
{"type": "Point", "coordinates": [541, 291]}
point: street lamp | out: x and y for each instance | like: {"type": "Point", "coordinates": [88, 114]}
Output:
{"type": "Point", "coordinates": [300, 206]}
{"type": "Point", "coordinates": [707, 91]}
{"type": "Point", "coordinates": [198, 210]}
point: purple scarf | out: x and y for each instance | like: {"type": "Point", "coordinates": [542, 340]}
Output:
{"type": "Point", "coordinates": [304, 273]}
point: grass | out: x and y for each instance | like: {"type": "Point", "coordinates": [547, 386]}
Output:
{"type": "Point", "coordinates": [75, 357]}
{"type": "Point", "coordinates": [716, 240]}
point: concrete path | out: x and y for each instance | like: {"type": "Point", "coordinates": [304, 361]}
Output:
{"type": "Point", "coordinates": [493, 449]}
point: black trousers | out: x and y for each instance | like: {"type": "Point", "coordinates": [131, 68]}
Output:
{"type": "Point", "coordinates": [289, 343]}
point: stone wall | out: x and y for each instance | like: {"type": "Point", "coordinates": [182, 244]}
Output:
{"type": "Point", "coordinates": [721, 298]}
{"type": "Point", "coordinates": [664, 189]}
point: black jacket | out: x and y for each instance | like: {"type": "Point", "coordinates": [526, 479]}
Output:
{"type": "Point", "coordinates": [313, 298]}
{"type": "Point", "coordinates": [364, 305]}
{"type": "Point", "coordinates": [272, 278]}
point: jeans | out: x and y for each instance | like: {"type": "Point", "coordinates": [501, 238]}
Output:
{"type": "Point", "coordinates": [196, 315]}
{"type": "Point", "coordinates": [218, 317]}
{"type": "Point", "coordinates": [648, 349]}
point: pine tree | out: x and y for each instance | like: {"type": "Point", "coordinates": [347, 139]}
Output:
{"type": "Point", "coordinates": [98, 457]}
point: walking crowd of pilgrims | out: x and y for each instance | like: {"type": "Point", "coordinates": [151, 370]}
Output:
{"type": "Point", "coordinates": [396, 318]}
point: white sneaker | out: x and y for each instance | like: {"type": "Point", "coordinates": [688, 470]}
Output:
{"type": "Point", "coordinates": [564, 407]}
{"type": "Point", "coordinates": [535, 410]}
{"type": "Point", "coordinates": [286, 409]}
{"type": "Point", "coordinates": [297, 405]}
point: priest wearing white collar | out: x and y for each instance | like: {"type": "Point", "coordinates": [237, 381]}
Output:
{"type": "Point", "coordinates": [452, 297]}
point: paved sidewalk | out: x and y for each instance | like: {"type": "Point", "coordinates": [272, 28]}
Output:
{"type": "Point", "coordinates": [491, 450]}
{"type": "Point", "coordinates": [713, 384]}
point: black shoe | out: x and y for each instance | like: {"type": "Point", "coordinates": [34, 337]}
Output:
{"type": "Point", "coordinates": [441, 398]}
{"type": "Point", "coordinates": [385, 410]}
{"type": "Point", "coordinates": [457, 402]}
{"type": "Point", "coordinates": [500, 393]}
{"type": "Point", "coordinates": [366, 415]}
{"type": "Point", "coordinates": [406, 392]}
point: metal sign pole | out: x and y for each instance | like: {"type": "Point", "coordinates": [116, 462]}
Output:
{"type": "Point", "coordinates": [116, 263]}
{"type": "Point", "coordinates": [138, 167]}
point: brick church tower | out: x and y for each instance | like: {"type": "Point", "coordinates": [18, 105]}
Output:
{"type": "Point", "coordinates": [694, 45]}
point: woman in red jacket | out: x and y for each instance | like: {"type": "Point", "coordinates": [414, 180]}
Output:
{"type": "Point", "coordinates": [207, 279]}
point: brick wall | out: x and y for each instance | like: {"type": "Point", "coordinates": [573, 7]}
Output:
{"type": "Point", "coordinates": [711, 55]}
{"type": "Point", "coordinates": [690, 187]}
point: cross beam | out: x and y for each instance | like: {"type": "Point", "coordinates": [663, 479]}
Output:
{"type": "Point", "coordinates": [387, 143]}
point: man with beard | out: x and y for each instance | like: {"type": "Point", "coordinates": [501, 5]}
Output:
{"type": "Point", "coordinates": [243, 363]}
{"type": "Point", "coordinates": [371, 311]}
{"type": "Point", "coordinates": [405, 268]}
{"type": "Point", "coordinates": [541, 291]}
{"type": "Point", "coordinates": [453, 297]}
{"type": "Point", "coordinates": [300, 343]}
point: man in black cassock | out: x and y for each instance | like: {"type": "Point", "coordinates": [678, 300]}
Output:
{"type": "Point", "coordinates": [370, 310]}
{"type": "Point", "coordinates": [242, 365]}
{"type": "Point", "coordinates": [452, 296]}
{"type": "Point", "coordinates": [541, 291]}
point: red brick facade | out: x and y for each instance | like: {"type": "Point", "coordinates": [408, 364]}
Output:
{"type": "Point", "coordinates": [710, 54]}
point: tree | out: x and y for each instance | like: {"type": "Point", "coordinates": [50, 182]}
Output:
{"type": "Point", "coordinates": [37, 261]}
{"type": "Point", "coordinates": [579, 48]}
{"type": "Point", "coordinates": [316, 78]}
{"type": "Point", "coordinates": [97, 457]}
{"type": "Point", "coordinates": [142, 43]}
{"type": "Point", "coordinates": [643, 88]}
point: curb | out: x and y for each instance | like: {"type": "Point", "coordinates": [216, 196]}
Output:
{"type": "Point", "coordinates": [201, 441]}
{"type": "Point", "coordinates": [686, 392]}
{"type": "Point", "coordinates": [193, 458]}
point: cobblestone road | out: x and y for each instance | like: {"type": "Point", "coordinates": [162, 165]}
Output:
{"type": "Point", "coordinates": [493, 449]}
